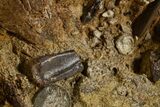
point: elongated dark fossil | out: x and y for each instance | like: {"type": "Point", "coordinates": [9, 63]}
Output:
{"type": "Point", "coordinates": [51, 68]}
{"type": "Point", "coordinates": [145, 20]}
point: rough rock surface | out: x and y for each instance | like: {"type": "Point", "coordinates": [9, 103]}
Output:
{"type": "Point", "coordinates": [33, 28]}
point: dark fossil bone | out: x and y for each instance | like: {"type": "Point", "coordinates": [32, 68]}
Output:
{"type": "Point", "coordinates": [51, 68]}
{"type": "Point", "coordinates": [146, 19]}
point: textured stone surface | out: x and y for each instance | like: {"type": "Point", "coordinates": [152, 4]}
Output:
{"type": "Point", "coordinates": [150, 65]}
{"type": "Point", "coordinates": [108, 78]}
{"type": "Point", "coordinates": [52, 96]}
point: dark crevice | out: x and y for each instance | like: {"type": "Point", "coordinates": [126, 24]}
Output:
{"type": "Point", "coordinates": [119, 27]}
{"type": "Point", "coordinates": [137, 65]}
{"type": "Point", "coordinates": [115, 71]}
{"type": "Point", "coordinates": [14, 49]}
{"type": "Point", "coordinates": [126, 94]}
{"type": "Point", "coordinates": [145, 65]}
{"type": "Point", "coordinates": [156, 35]}
{"type": "Point", "coordinates": [85, 71]}
{"type": "Point", "coordinates": [104, 43]}
{"type": "Point", "coordinates": [117, 2]}
{"type": "Point", "coordinates": [129, 13]}
{"type": "Point", "coordinates": [127, 65]}
{"type": "Point", "coordinates": [21, 67]}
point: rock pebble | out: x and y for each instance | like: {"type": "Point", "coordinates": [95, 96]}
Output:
{"type": "Point", "coordinates": [52, 96]}
{"type": "Point", "coordinates": [108, 14]}
{"type": "Point", "coordinates": [125, 44]}
{"type": "Point", "coordinates": [97, 33]}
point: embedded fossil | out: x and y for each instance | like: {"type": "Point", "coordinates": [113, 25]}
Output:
{"type": "Point", "coordinates": [142, 24]}
{"type": "Point", "coordinates": [52, 68]}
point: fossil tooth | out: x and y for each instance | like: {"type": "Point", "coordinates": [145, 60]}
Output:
{"type": "Point", "coordinates": [51, 68]}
